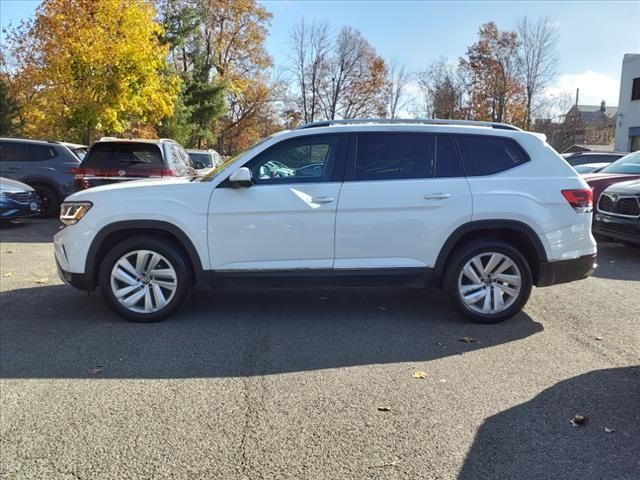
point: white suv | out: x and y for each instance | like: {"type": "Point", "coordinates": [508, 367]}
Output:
{"type": "Point", "coordinates": [482, 210]}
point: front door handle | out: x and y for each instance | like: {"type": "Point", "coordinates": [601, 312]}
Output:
{"type": "Point", "coordinates": [322, 199]}
{"type": "Point", "coordinates": [436, 196]}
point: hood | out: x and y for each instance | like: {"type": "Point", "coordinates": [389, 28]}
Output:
{"type": "Point", "coordinates": [592, 178]}
{"type": "Point", "coordinates": [7, 184]}
{"type": "Point", "coordinates": [128, 186]}
{"type": "Point", "coordinates": [630, 187]}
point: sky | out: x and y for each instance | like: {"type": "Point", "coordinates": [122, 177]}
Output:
{"type": "Point", "coordinates": [594, 35]}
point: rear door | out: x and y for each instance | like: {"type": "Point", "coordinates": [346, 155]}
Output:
{"type": "Point", "coordinates": [286, 219]}
{"type": "Point", "coordinates": [403, 194]}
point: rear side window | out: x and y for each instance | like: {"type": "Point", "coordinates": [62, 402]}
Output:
{"type": "Point", "coordinates": [397, 156]}
{"type": "Point", "coordinates": [484, 155]}
{"type": "Point", "coordinates": [25, 152]}
{"type": "Point", "coordinates": [119, 154]}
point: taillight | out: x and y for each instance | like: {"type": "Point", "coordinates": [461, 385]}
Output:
{"type": "Point", "coordinates": [581, 199]}
{"type": "Point", "coordinates": [169, 173]}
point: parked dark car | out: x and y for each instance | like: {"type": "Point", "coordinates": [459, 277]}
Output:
{"type": "Point", "coordinates": [17, 200]}
{"type": "Point", "coordinates": [626, 168]}
{"type": "Point", "coordinates": [580, 158]}
{"type": "Point", "coordinates": [618, 212]}
{"type": "Point", "coordinates": [590, 167]}
{"type": "Point", "coordinates": [45, 166]}
{"type": "Point", "coordinates": [112, 160]}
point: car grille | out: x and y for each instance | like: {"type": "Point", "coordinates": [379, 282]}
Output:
{"type": "Point", "coordinates": [616, 205]}
{"type": "Point", "coordinates": [24, 197]}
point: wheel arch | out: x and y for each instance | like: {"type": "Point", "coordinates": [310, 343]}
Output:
{"type": "Point", "coordinates": [517, 233]}
{"type": "Point", "coordinates": [113, 233]}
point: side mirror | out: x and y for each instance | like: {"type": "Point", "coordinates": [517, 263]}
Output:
{"type": "Point", "coordinates": [241, 178]}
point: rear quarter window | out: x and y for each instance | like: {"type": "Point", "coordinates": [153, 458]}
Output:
{"type": "Point", "coordinates": [487, 155]}
{"type": "Point", "coordinates": [117, 154]}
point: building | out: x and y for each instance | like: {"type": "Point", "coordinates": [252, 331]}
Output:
{"type": "Point", "coordinates": [628, 124]}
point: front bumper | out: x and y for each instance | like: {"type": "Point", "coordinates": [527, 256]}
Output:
{"type": "Point", "coordinates": [621, 228]}
{"type": "Point", "coordinates": [26, 207]}
{"type": "Point", "coordinates": [77, 280]}
{"type": "Point", "coordinates": [563, 271]}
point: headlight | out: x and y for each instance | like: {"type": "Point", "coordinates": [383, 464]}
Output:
{"type": "Point", "coordinates": [72, 212]}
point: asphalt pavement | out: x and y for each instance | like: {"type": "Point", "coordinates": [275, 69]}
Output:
{"type": "Point", "coordinates": [316, 383]}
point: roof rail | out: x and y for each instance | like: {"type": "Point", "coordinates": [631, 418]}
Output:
{"type": "Point", "coordinates": [417, 121]}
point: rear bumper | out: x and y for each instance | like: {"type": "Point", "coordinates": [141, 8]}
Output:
{"type": "Point", "coordinates": [552, 273]}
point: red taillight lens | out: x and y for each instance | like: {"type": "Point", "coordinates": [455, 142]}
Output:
{"type": "Point", "coordinates": [169, 173]}
{"type": "Point", "coordinates": [581, 199]}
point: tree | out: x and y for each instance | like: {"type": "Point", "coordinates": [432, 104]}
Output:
{"type": "Point", "coordinates": [537, 58]}
{"type": "Point", "coordinates": [9, 112]}
{"type": "Point", "coordinates": [82, 67]}
{"type": "Point", "coordinates": [343, 78]}
{"type": "Point", "coordinates": [491, 69]}
{"type": "Point", "coordinates": [443, 89]}
{"type": "Point", "coordinates": [395, 89]}
{"type": "Point", "coordinates": [310, 46]}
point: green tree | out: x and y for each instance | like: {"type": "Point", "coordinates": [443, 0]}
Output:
{"type": "Point", "coordinates": [9, 112]}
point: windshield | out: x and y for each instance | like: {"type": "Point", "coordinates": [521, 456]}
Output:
{"type": "Point", "coordinates": [223, 166]}
{"type": "Point", "coordinates": [203, 158]}
{"type": "Point", "coordinates": [629, 164]}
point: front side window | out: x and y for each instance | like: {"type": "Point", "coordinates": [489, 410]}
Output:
{"type": "Point", "coordinates": [298, 160]}
{"type": "Point", "coordinates": [24, 152]}
{"type": "Point", "coordinates": [485, 155]}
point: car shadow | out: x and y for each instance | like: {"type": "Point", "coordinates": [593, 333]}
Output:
{"type": "Point", "coordinates": [29, 230]}
{"type": "Point", "coordinates": [617, 261]}
{"type": "Point", "coordinates": [536, 440]}
{"type": "Point", "coordinates": [58, 332]}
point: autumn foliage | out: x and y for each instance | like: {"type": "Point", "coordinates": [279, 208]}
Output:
{"type": "Point", "coordinates": [82, 68]}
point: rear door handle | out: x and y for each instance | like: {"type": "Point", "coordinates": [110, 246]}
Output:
{"type": "Point", "coordinates": [322, 199]}
{"type": "Point", "coordinates": [436, 196]}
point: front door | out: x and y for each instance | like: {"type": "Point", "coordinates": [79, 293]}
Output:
{"type": "Point", "coordinates": [286, 219]}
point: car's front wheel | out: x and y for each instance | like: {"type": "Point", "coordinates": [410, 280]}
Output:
{"type": "Point", "coordinates": [489, 281]}
{"type": "Point", "coordinates": [145, 279]}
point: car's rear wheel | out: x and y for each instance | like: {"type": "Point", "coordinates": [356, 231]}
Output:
{"type": "Point", "coordinates": [489, 281]}
{"type": "Point", "coordinates": [145, 279]}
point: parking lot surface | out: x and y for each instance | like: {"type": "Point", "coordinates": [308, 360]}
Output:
{"type": "Point", "coordinates": [316, 383]}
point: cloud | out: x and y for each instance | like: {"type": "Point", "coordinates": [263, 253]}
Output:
{"type": "Point", "coordinates": [594, 87]}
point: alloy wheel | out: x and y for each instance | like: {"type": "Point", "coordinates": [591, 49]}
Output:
{"type": "Point", "coordinates": [143, 281]}
{"type": "Point", "coordinates": [489, 283]}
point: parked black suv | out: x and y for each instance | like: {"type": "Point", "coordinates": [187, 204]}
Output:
{"type": "Point", "coordinates": [45, 166]}
{"type": "Point", "coordinates": [618, 212]}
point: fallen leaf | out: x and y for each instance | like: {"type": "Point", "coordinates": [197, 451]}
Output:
{"type": "Point", "coordinates": [8, 274]}
{"type": "Point", "coordinates": [95, 370]}
{"type": "Point", "coordinates": [579, 420]}
{"type": "Point", "coordinates": [42, 280]}
{"type": "Point", "coordinates": [386, 408]}
{"type": "Point", "coordinates": [388, 464]}
{"type": "Point", "coordinates": [468, 340]}
{"type": "Point", "coordinates": [608, 430]}
{"type": "Point", "coordinates": [599, 338]}
{"type": "Point", "coordinates": [9, 251]}
{"type": "Point", "coordinates": [419, 374]}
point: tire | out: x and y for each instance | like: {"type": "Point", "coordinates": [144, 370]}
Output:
{"type": "Point", "coordinates": [49, 201]}
{"type": "Point", "coordinates": [487, 287]}
{"type": "Point", "coordinates": [151, 297]}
